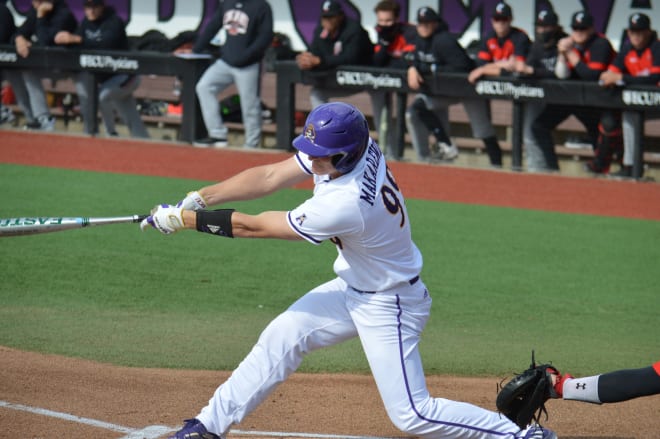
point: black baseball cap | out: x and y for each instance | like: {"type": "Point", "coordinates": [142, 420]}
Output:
{"type": "Point", "coordinates": [582, 20]}
{"type": "Point", "coordinates": [427, 15]}
{"type": "Point", "coordinates": [90, 3]}
{"type": "Point", "coordinates": [639, 21]}
{"type": "Point", "coordinates": [547, 17]}
{"type": "Point", "coordinates": [331, 8]}
{"type": "Point", "coordinates": [502, 11]}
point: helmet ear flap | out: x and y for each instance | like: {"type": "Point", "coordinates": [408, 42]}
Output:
{"type": "Point", "coordinates": [337, 158]}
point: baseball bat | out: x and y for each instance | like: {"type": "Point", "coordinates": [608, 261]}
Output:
{"type": "Point", "coordinates": [35, 225]}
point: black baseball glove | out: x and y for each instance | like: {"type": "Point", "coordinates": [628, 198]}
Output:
{"type": "Point", "coordinates": [523, 398]}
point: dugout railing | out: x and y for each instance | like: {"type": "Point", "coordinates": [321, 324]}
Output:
{"type": "Point", "coordinates": [63, 61]}
{"type": "Point", "coordinates": [638, 99]}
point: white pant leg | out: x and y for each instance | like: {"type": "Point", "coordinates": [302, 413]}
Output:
{"type": "Point", "coordinates": [316, 320]}
{"type": "Point", "coordinates": [247, 83]}
{"type": "Point", "coordinates": [215, 79]}
{"type": "Point", "coordinates": [389, 325]}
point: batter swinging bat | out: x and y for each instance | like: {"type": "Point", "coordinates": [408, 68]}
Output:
{"type": "Point", "coordinates": [34, 225]}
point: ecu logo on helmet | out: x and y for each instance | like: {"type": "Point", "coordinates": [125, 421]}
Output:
{"type": "Point", "coordinates": [310, 132]}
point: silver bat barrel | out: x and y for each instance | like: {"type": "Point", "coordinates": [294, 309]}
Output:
{"type": "Point", "coordinates": [45, 224]}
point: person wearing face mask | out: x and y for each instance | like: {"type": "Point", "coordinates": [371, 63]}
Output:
{"type": "Point", "coordinates": [540, 63]}
{"type": "Point", "coordinates": [394, 49]}
{"type": "Point", "coordinates": [583, 55]}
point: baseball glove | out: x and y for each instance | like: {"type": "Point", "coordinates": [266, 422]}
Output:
{"type": "Point", "coordinates": [523, 398]}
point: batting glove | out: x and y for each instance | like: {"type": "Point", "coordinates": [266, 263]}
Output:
{"type": "Point", "coordinates": [164, 218]}
{"type": "Point", "coordinates": [193, 201]}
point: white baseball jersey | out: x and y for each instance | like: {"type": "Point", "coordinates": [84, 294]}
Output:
{"type": "Point", "coordinates": [364, 214]}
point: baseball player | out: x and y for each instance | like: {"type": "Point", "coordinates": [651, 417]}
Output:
{"type": "Point", "coordinates": [523, 398]}
{"type": "Point", "coordinates": [248, 29]}
{"type": "Point", "coordinates": [502, 50]}
{"type": "Point", "coordinates": [378, 294]}
{"type": "Point", "coordinates": [103, 29]}
{"type": "Point", "coordinates": [616, 386]}
{"type": "Point", "coordinates": [438, 52]}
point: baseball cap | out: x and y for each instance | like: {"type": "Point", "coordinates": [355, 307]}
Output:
{"type": "Point", "coordinates": [639, 21]}
{"type": "Point", "coordinates": [502, 10]}
{"type": "Point", "coordinates": [427, 15]}
{"type": "Point", "coordinates": [582, 20]}
{"type": "Point", "coordinates": [94, 3]}
{"type": "Point", "coordinates": [331, 8]}
{"type": "Point", "coordinates": [547, 17]}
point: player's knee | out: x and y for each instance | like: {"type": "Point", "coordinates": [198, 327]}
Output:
{"type": "Point", "coordinates": [409, 419]}
{"type": "Point", "coordinates": [609, 123]}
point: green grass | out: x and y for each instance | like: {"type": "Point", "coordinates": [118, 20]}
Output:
{"type": "Point", "coordinates": [581, 290]}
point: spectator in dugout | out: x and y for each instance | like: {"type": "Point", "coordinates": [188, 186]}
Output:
{"type": "Point", "coordinates": [7, 29]}
{"type": "Point", "coordinates": [395, 49]}
{"type": "Point", "coordinates": [43, 21]}
{"type": "Point", "coordinates": [103, 29]}
{"type": "Point", "coordinates": [540, 63]}
{"type": "Point", "coordinates": [437, 51]}
{"type": "Point", "coordinates": [583, 55]}
{"type": "Point", "coordinates": [502, 51]}
{"type": "Point", "coordinates": [338, 40]}
{"type": "Point", "coordinates": [638, 63]}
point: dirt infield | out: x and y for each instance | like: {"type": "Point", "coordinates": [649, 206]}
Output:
{"type": "Point", "coordinates": [47, 396]}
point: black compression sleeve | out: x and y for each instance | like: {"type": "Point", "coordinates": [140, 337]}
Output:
{"type": "Point", "coordinates": [215, 222]}
{"type": "Point", "coordinates": [623, 385]}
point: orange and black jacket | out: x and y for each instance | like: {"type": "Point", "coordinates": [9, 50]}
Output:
{"type": "Point", "coordinates": [595, 57]}
{"type": "Point", "coordinates": [395, 46]}
{"type": "Point", "coordinates": [639, 66]}
{"type": "Point", "coordinates": [493, 49]}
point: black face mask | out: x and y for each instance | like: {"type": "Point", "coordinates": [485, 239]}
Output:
{"type": "Point", "coordinates": [547, 38]}
{"type": "Point", "coordinates": [387, 33]}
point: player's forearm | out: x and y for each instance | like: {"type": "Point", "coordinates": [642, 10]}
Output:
{"type": "Point", "coordinates": [254, 183]}
{"type": "Point", "coordinates": [272, 224]}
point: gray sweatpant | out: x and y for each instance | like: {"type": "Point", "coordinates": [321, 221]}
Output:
{"type": "Point", "coordinates": [29, 92]}
{"type": "Point", "coordinates": [476, 109]}
{"type": "Point", "coordinates": [115, 98]}
{"type": "Point", "coordinates": [628, 119]}
{"type": "Point", "coordinates": [215, 79]}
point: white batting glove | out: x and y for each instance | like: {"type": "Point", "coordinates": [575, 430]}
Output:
{"type": "Point", "coordinates": [164, 218]}
{"type": "Point", "coordinates": [193, 201]}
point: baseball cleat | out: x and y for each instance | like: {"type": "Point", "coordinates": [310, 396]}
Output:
{"type": "Point", "coordinates": [193, 429]}
{"type": "Point", "coordinates": [535, 431]}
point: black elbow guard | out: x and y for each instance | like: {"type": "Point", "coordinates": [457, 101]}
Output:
{"type": "Point", "coordinates": [215, 222]}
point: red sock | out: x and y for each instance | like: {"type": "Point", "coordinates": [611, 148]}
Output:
{"type": "Point", "coordinates": [559, 385]}
{"type": "Point", "coordinates": [656, 367]}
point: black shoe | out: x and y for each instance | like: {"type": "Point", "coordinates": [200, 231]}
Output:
{"type": "Point", "coordinates": [623, 172]}
{"type": "Point", "coordinates": [595, 167]}
{"type": "Point", "coordinates": [210, 142]}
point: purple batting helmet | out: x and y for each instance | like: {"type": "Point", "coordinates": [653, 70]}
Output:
{"type": "Point", "coordinates": [335, 129]}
